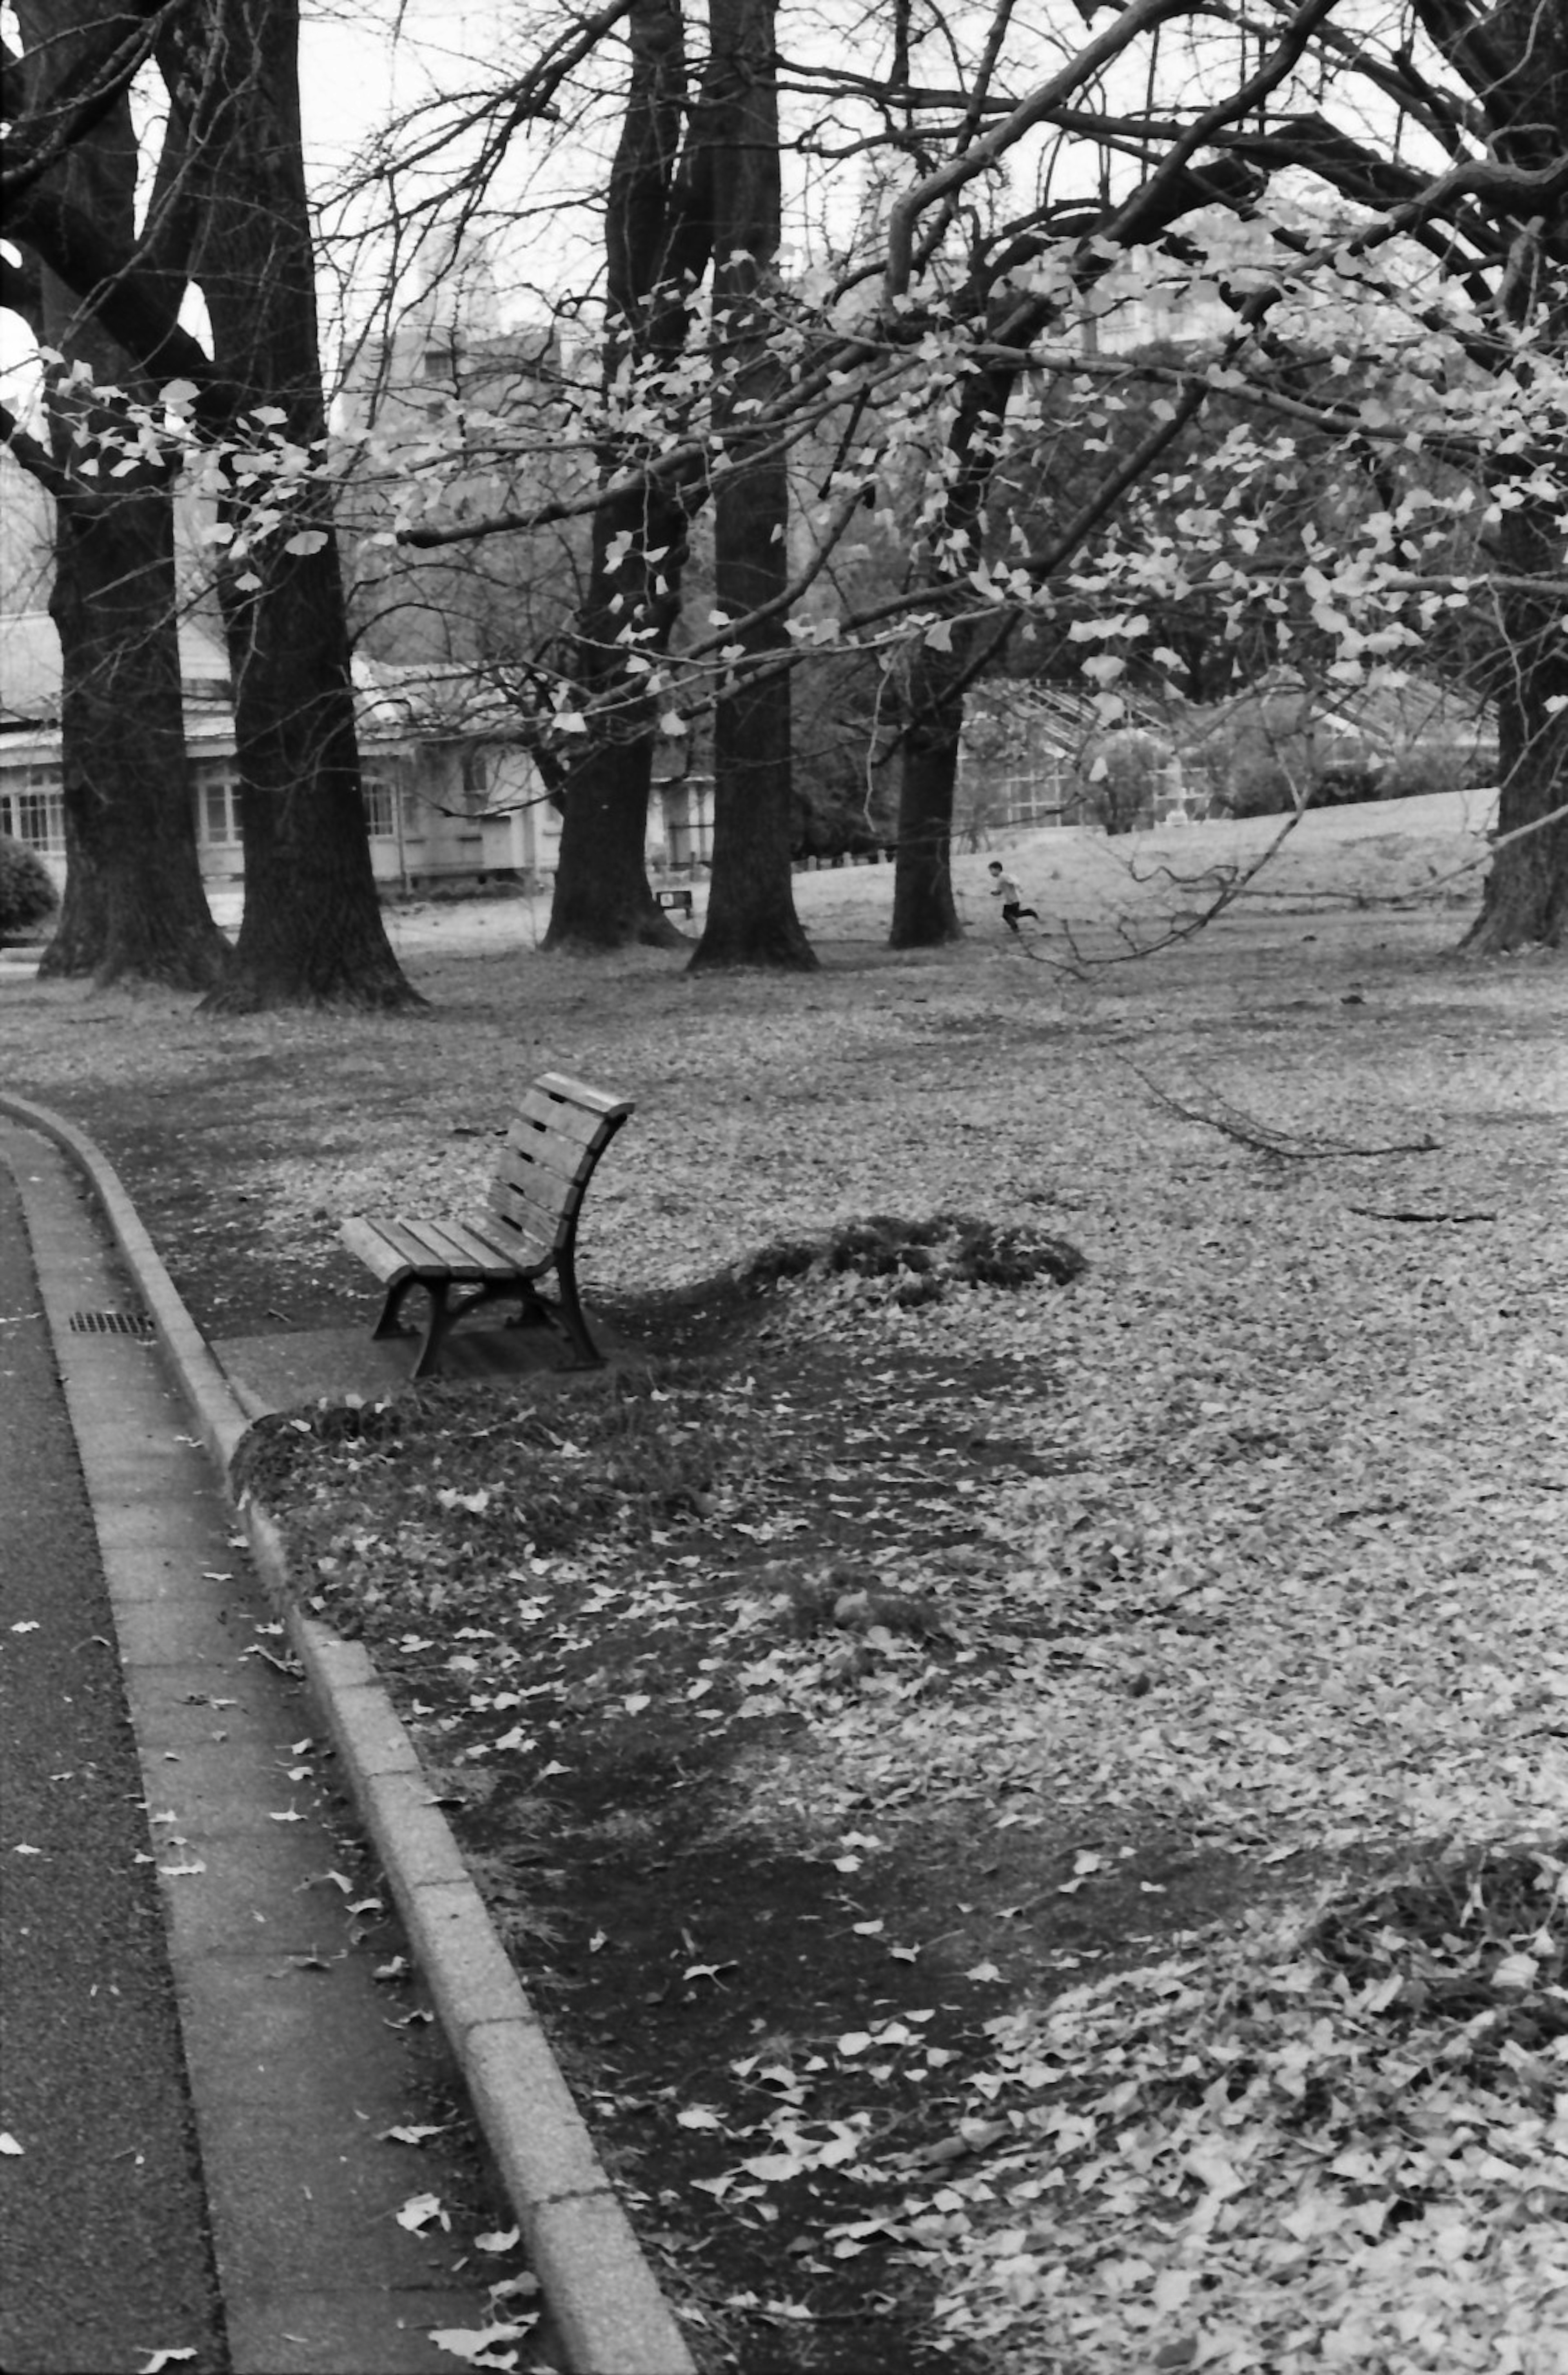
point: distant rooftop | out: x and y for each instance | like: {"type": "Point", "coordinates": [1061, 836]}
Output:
{"type": "Point", "coordinates": [29, 667]}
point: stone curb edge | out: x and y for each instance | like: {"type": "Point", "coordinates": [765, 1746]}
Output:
{"type": "Point", "coordinates": [602, 2297]}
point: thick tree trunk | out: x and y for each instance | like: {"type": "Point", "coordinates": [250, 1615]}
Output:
{"type": "Point", "coordinates": [1525, 901]}
{"type": "Point", "coordinates": [134, 908]}
{"type": "Point", "coordinates": [751, 918]}
{"type": "Point", "coordinates": [602, 899]}
{"type": "Point", "coordinates": [925, 912]}
{"type": "Point", "coordinates": [312, 932]}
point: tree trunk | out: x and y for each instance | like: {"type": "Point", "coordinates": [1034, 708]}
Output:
{"type": "Point", "coordinates": [312, 932]}
{"type": "Point", "coordinates": [602, 899]}
{"type": "Point", "coordinates": [751, 918]}
{"type": "Point", "coordinates": [135, 907]}
{"type": "Point", "coordinates": [925, 912]}
{"type": "Point", "coordinates": [1525, 901]}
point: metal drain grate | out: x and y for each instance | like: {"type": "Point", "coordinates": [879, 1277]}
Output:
{"type": "Point", "coordinates": [110, 1323]}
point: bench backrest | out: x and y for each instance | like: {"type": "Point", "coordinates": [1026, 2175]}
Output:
{"type": "Point", "coordinates": [562, 1128]}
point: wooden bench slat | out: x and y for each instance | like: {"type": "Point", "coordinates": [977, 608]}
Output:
{"type": "Point", "coordinates": [464, 1254]}
{"type": "Point", "coordinates": [487, 1234]}
{"type": "Point", "coordinates": [540, 1124]}
{"type": "Point", "coordinates": [367, 1240]}
{"type": "Point", "coordinates": [386, 1245]}
{"type": "Point", "coordinates": [535, 1157]}
{"type": "Point", "coordinates": [429, 1249]}
{"type": "Point", "coordinates": [534, 1224]}
{"type": "Point", "coordinates": [579, 1093]}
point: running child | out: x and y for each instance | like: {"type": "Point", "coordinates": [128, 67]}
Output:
{"type": "Point", "coordinates": [1005, 888]}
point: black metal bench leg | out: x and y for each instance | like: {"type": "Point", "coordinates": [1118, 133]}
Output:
{"type": "Point", "coordinates": [438, 1324]}
{"type": "Point", "coordinates": [389, 1324]}
{"type": "Point", "coordinates": [569, 1310]}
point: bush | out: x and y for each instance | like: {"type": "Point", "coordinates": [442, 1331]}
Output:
{"type": "Point", "coordinates": [1126, 767]}
{"type": "Point", "coordinates": [1441, 767]}
{"type": "Point", "coordinates": [27, 895]}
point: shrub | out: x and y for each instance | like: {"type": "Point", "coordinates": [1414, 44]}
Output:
{"type": "Point", "coordinates": [27, 895]}
{"type": "Point", "coordinates": [1126, 767]}
{"type": "Point", "coordinates": [1458, 766]}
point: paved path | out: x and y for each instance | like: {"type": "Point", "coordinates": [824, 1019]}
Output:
{"type": "Point", "coordinates": [294, 2072]}
{"type": "Point", "coordinates": [104, 2253]}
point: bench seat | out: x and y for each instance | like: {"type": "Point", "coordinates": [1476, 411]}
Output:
{"type": "Point", "coordinates": [528, 1230]}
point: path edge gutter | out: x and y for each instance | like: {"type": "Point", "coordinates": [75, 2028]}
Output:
{"type": "Point", "coordinates": [602, 2297]}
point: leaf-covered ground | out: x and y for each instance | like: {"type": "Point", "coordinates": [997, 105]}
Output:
{"type": "Point", "coordinates": [1037, 1810]}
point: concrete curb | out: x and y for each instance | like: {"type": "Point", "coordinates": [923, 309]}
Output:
{"type": "Point", "coordinates": [602, 2297]}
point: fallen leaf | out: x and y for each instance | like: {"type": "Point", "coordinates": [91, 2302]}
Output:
{"type": "Point", "coordinates": [478, 2345]}
{"type": "Point", "coordinates": [419, 2211]}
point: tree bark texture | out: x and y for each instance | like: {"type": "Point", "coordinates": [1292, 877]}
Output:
{"type": "Point", "coordinates": [925, 911]}
{"type": "Point", "coordinates": [751, 918]}
{"type": "Point", "coordinates": [312, 932]}
{"type": "Point", "coordinates": [1515, 57]}
{"type": "Point", "coordinates": [135, 907]}
{"type": "Point", "coordinates": [602, 898]}
{"type": "Point", "coordinates": [1525, 900]}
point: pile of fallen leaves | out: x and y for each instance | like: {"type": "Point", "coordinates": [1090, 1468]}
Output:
{"type": "Point", "coordinates": [911, 1263]}
{"type": "Point", "coordinates": [427, 1503]}
{"type": "Point", "coordinates": [1342, 2148]}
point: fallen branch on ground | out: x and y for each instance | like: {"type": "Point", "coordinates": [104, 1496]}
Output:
{"type": "Point", "coordinates": [1262, 1136]}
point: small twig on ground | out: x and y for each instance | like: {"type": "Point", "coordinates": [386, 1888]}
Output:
{"type": "Point", "coordinates": [1369, 1213]}
{"type": "Point", "coordinates": [1262, 1137]}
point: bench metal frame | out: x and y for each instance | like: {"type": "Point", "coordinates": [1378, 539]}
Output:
{"type": "Point", "coordinates": [528, 1229]}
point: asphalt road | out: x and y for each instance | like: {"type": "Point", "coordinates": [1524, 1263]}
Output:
{"type": "Point", "coordinates": [105, 2251]}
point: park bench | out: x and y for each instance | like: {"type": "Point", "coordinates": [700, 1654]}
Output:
{"type": "Point", "coordinates": [528, 1229]}
{"type": "Point", "coordinates": [680, 898]}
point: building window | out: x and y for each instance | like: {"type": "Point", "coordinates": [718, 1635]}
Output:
{"type": "Point", "coordinates": [36, 812]}
{"type": "Point", "coordinates": [217, 807]}
{"type": "Point", "coordinates": [475, 771]}
{"type": "Point", "coordinates": [380, 821]}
